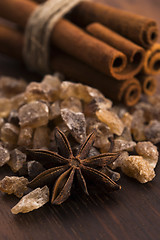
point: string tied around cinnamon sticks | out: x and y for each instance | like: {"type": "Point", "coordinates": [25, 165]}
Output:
{"type": "Point", "coordinates": [106, 58]}
{"type": "Point", "coordinates": [39, 27]}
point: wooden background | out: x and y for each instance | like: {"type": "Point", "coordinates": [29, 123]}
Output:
{"type": "Point", "coordinates": [132, 213]}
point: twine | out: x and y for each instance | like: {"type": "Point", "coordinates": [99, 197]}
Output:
{"type": "Point", "coordinates": [36, 50]}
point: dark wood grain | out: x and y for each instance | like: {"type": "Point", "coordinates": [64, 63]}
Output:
{"type": "Point", "coordinates": [132, 213]}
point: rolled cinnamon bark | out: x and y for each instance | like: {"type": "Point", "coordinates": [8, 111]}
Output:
{"type": "Point", "coordinates": [152, 60]}
{"type": "Point", "coordinates": [139, 29]}
{"type": "Point", "coordinates": [11, 42]}
{"type": "Point", "coordinates": [17, 11]}
{"type": "Point", "coordinates": [71, 39]}
{"type": "Point", "coordinates": [133, 52]}
{"type": "Point", "coordinates": [128, 91]}
{"type": "Point", "coordinates": [88, 49]}
{"type": "Point", "coordinates": [148, 84]}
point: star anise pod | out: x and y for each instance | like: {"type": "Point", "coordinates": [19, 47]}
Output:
{"type": "Point", "coordinates": [64, 167]}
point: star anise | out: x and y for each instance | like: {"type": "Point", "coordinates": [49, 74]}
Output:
{"type": "Point", "coordinates": [64, 167]}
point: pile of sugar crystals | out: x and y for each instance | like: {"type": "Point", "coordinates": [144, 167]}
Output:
{"type": "Point", "coordinates": [30, 112]}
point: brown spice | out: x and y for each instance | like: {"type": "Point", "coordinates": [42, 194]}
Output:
{"type": "Point", "coordinates": [17, 11]}
{"type": "Point", "coordinates": [127, 91]}
{"type": "Point", "coordinates": [152, 60]}
{"type": "Point", "coordinates": [73, 40]}
{"type": "Point", "coordinates": [109, 58]}
{"type": "Point", "coordinates": [88, 49]}
{"type": "Point", "coordinates": [11, 42]}
{"type": "Point", "coordinates": [123, 91]}
{"type": "Point", "coordinates": [133, 52]}
{"type": "Point", "coordinates": [148, 84]}
{"type": "Point", "coordinates": [65, 166]}
{"type": "Point", "coordinates": [139, 29]}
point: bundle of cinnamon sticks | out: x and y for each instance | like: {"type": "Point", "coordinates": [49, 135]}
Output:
{"type": "Point", "coordinates": [98, 45]}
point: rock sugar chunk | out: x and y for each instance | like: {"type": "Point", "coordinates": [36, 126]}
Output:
{"type": "Point", "coordinates": [55, 110]}
{"type": "Point", "coordinates": [137, 167]}
{"type": "Point", "coordinates": [4, 156]}
{"type": "Point", "coordinates": [5, 107]}
{"type": "Point", "coordinates": [76, 90]}
{"type": "Point", "coordinates": [34, 168]}
{"type": "Point", "coordinates": [80, 91]}
{"type": "Point", "coordinates": [102, 103]}
{"type": "Point", "coordinates": [14, 185]}
{"type": "Point", "coordinates": [152, 131]}
{"type": "Point", "coordinates": [127, 120]}
{"type": "Point", "coordinates": [155, 99]}
{"type": "Point", "coordinates": [151, 112]}
{"type": "Point", "coordinates": [123, 145]}
{"type": "Point", "coordinates": [9, 134]}
{"type": "Point", "coordinates": [138, 125]}
{"type": "Point", "coordinates": [33, 200]}
{"type": "Point", "coordinates": [25, 137]}
{"type": "Point", "coordinates": [148, 151]}
{"type": "Point", "coordinates": [119, 161]}
{"type": "Point", "coordinates": [47, 90]}
{"type": "Point", "coordinates": [18, 101]}
{"type": "Point", "coordinates": [10, 86]}
{"type": "Point", "coordinates": [17, 159]}
{"type": "Point", "coordinates": [76, 123]}
{"type": "Point", "coordinates": [72, 103]}
{"type": "Point", "coordinates": [41, 137]}
{"type": "Point", "coordinates": [119, 109]}
{"type": "Point", "coordinates": [112, 120]}
{"type": "Point", "coordinates": [102, 133]}
{"type": "Point", "coordinates": [96, 104]}
{"type": "Point", "coordinates": [34, 114]}
{"type": "Point", "coordinates": [51, 85]}
{"type": "Point", "coordinates": [126, 135]}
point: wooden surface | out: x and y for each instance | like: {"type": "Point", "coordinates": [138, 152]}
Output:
{"type": "Point", "coordinates": [132, 213]}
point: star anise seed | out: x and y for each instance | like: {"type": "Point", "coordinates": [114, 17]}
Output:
{"type": "Point", "coordinates": [63, 167]}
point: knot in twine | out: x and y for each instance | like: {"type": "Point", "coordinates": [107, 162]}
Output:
{"type": "Point", "coordinates": [36, 50]}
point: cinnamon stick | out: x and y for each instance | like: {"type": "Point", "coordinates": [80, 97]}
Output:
{"type": "Point", "coordinates": [88, 49]}
{"type": "Point", "coordinates": [152, 60]}
{"type": "Point", "coordinates": [127, 91]}
{"type": "Point", "coordinates": [17, 11]}
{"type": "Point", "coordinates": [11, 42]}
{"type": "Point", "coordinates": [71, 39]}
{"type": "Point", "coordinates": [139, 29]}
{"type": "Point", "coordinates": [133, 52]}
{"type": "Point", "coordinates": [148, 84]}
